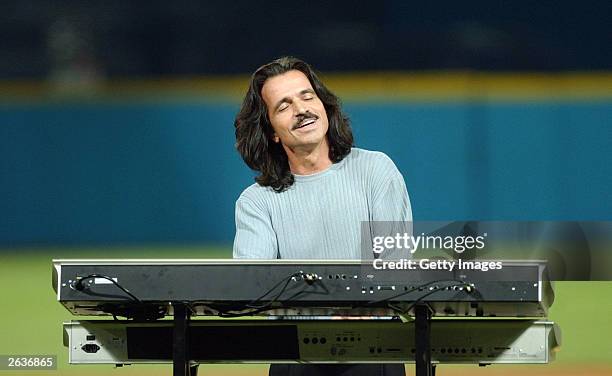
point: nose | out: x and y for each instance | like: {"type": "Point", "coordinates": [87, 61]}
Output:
{"type": "Point", "coordinates": [300, 107]}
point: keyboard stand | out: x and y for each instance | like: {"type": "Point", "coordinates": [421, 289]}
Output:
{"type": "Point", "coordinates": [181, 365]}
{"type": "Point", "coordinates": [422, 338]}
{"type": "Point", "coordinates": [180, 342]}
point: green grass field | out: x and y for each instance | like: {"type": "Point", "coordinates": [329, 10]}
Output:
{"type": "Point", "coordinates": [31, 319]}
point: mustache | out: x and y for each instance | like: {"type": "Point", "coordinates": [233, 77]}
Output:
{"type": "Point", "coordinates": [305, 116]}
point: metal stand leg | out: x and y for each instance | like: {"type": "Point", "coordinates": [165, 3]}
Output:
{"type": "Point", "coordinates": [193, 370]}
{"type": "Point", "coordinates": [180, 343]}
{"type": "Point", "coordinates": [422, 331]}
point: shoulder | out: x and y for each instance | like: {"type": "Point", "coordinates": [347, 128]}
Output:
{"type": "Point", "coordinates": [256, 196]}
{"type": "Point", "coordinates": [370, 160]}
{"type": "Point", "coordinates": [255, 193]}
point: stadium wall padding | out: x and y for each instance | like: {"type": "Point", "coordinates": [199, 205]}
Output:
{"type": "Point", "coordinates": [105, 173]}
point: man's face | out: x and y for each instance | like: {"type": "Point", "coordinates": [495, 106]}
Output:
{"type": "Point", "coordinates": [297, 115]}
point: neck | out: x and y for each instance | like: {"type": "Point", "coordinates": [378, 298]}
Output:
{"type": "Point", "coordinates": [309, 161]}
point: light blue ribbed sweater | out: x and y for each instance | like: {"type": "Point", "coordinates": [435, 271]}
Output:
{"type": "Point", "coordinates": [320, 215]}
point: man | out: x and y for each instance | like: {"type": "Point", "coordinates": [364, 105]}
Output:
{"type": "Point", "coordinates": [314, 189]}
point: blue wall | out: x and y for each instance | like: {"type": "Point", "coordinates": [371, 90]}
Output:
{"type": "Point", "coordinates": [104, 173]}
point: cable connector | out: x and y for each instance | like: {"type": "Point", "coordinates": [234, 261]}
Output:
{"type": "Point", "coordinates": [310, 278]}
{"type": "Point", "coordinates": [77, 284]}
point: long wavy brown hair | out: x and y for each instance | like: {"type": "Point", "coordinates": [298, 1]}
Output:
{"type": "Point", "coordinates": [254, 132]}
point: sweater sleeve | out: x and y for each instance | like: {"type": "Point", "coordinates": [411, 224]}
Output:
{"type": "Point", "coordinates": [391, 201]}
{"type": "Point", "coordinates": [255, 238]}
{"type": "Point", "coordinates": [391, 210]}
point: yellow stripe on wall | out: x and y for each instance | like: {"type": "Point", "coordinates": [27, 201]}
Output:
{"type": "Point", "coordinates": [442, 86]}
{"type": "Point", "coordinates": [376, 86]}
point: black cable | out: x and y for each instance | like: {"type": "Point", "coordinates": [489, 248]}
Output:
{"type": "Point", "coordinates": [469, 288]}
{"type": "Point", "coordinates": [268, 305]}
{"type": "Point", "coordinates": [459, 283]}
{"type": "Point", "coordinates": [287, 280]}
{"type": "Point", "coordinates": [435, 290]}
{"type": "Point", "coordinates": [420, 299]}
{"type": "Point", "coordinates": [241, 314]}
{"type": "Point", "coordinates": [78, 285]}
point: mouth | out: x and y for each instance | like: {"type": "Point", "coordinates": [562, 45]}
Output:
{"type": "Point", "coordinates": [305, 123]}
